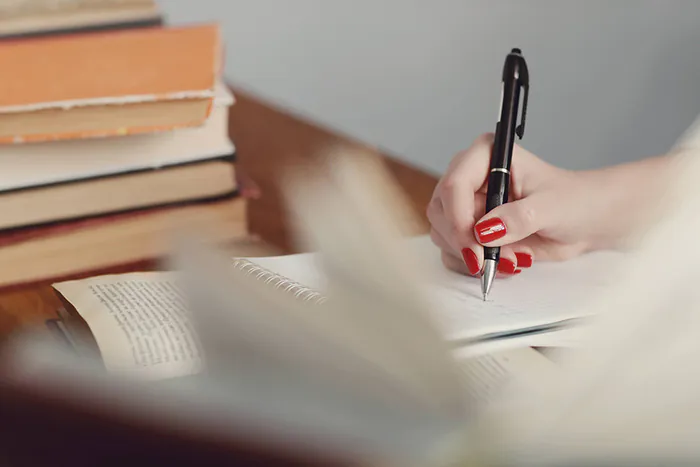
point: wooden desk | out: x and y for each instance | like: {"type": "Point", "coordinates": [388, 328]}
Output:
{"type": "Point", "coordinates": [268, 141]}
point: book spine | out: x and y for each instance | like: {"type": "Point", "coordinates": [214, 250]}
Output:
{"type": "Point", "coordinates": [37, 138]}
{"type": "Point", "coordinates": [67, 30]}
{"type": "Point", "coordinates": [277, 281]}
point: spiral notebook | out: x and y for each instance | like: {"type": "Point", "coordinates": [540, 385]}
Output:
{"type": "Point", "coordinates": [539, 307]}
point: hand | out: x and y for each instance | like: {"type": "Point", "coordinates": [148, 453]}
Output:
{"type": "Point", "coordinates": [552, 213]}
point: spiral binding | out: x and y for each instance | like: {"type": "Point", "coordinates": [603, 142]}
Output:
{"type": "Point", "coordinates": [277, 281]}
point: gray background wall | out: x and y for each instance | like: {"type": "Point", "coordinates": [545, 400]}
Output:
{"type": "Point", "coordinates": [611, 80]}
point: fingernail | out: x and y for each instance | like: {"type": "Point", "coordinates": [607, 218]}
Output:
{"type": "Point", "coordinates": [506, 266]}
{"type": "Point", "coordinates": [471, 260]}
{"type": "Point", "coordinates": [490, 230]}
{"type": "Point", "coordinates": [518, 271]}
{"type": "Point", "coordinates": [524, 260]}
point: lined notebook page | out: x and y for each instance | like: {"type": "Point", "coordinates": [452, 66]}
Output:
{"type": "Point", "coordinates": [549, 293]}
{"type": "Point", "coordinates": [545, 294]}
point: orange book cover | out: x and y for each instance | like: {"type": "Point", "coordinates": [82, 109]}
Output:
{"type": "Point", "coordinates": [124, 67]}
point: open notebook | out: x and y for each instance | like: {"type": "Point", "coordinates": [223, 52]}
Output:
{"type": "Point", "coordinates": [540, 307]}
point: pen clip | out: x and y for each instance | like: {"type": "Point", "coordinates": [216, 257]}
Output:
{"type": "Point", "coordinates": [524, 78]}
{"type": "Point", "coordinates": [520, 129]}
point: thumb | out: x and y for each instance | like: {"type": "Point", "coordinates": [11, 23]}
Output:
{"type": "Point", "coordinates": [512, 222]}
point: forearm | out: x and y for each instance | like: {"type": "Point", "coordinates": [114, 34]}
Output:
{"type": "Point", "coordinates": [628, 199]}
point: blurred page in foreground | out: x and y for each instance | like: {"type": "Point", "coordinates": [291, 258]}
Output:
{"type": "Point", "coordinates": [365, 375]}
{"type": "Point", "coordinates": [630, 394]}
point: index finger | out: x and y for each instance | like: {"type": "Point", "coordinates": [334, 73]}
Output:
{"type": "Point", "coordinates": [464, 179]}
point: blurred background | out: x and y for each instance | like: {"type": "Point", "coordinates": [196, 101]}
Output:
{"type": "Point", "coordinates": [611, 81]}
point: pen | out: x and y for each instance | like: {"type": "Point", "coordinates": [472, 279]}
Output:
{"type": "Point", "coordinates": [515, 77]}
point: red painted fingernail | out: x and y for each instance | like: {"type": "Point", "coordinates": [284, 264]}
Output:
{"type": "Point", "coordinates": [471, 260]}
{"type": "Point", "coordinates": [524, 260]}
{"type": "Point", "coordinates": [506, 266]}
{"type": "Point", "coordinates": [490, 230]}
{"type": "Point", "coordinates": [518, 271]}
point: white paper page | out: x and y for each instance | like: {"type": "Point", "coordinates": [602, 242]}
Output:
{"type": "Point", "coordinates": [140, 323]}
{"type": "Point", "coordinates": [36, 164]}
{"type": "Point", "coordinates": [303, 268]}
{"type": "Point", "coordinates": [549, 292]}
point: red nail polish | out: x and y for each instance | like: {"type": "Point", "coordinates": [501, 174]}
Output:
{"type": "Point", "coordinates": [506, 266]}
{"type": "Point", "coordinates": [490, 230]}
{"type": "Point", "coordinates": [518, 271]}
{"type": "Point", "coordinates": [471, 260]}
{"type": "Point", "coordinates": [524, 260]}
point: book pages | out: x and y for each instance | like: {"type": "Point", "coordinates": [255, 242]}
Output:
{"type": "Point", "coordinates": [140, 322]}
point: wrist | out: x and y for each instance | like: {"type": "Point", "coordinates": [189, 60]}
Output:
{"type": "Point", "coordinates": [627, 200]}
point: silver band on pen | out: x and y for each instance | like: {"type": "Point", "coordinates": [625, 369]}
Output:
{"type": "Point", "coordinates": [498, 169]}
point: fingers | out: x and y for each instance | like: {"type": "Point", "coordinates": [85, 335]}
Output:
{"type": "Point", "coordinates": [508, 263]}
{"type": "Point", "coordinates": [469, 250]}
{"type": "Point", "coordinates": [441, 228]}
{"type": "Point", "coordinates": [513, 258]}
{"type": "Point", "coordinates": [472, 253]}
{"type": "Point", "coordinates": [524, 256]}
{"type": "Point", "coordinates": [454, 264]}
{"type": "Point", "coordinates": [460, 230]}
{"type": "Point", "coordinates": [525, 259]}
{"type": "Point", "coordinates": [457, 190]}
{"type": "Point", "coordinates": [468, 257]}
{"type": "Point", "coordinates": [507, 266]}
{"type": "Point", "coordinates": [457, 200]}
{"type": "Point", "coordinates": [512, 222]}
{"type": "Point", "coordinates": [440, 241]}
{"type": "Point", "coordinates": [473, 257]}
{"type": "Point", "coordinates": [546, 250]}
{"type": "Point", "coordinates": [463, 246]}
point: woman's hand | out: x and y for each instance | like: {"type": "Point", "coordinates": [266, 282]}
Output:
{"type": "Point", "coordinates": [552, 214]}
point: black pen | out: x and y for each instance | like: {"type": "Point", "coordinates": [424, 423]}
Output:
{"type": "Point", "coordinates": [515, 76]}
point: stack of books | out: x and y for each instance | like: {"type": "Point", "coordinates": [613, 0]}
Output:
{"type": "Point", "coordinates": [22, 18]}
{"type": "Point", "coordinates": [109, 141]}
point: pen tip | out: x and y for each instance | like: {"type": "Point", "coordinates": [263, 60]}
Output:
{"type": "Point", "coordinates": [485, 295]}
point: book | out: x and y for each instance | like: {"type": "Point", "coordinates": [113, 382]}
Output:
{"type": "Point", "coordinates": [533, 310]}
{"type": "Point", "coordinates": [39, 164]}
{"type": "Point", "coordinates": [129, 81]}
{"type": "Point", "coordinates": [31, 18]}
{"type": "Point", "coordinates": [99, 196]}
{"type": "Point", "coordinates": [88, 246]}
